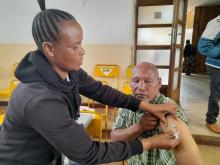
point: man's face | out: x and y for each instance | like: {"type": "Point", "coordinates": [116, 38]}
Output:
{"type": "Point", "coordinates": [145, 84]}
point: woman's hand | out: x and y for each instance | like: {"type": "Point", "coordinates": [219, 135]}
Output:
{"type": "Point", "coordinates": [159, 110]}
{"type": "Point", "coordinates": [162, 141]}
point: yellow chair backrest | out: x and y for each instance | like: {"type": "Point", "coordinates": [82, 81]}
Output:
{"type": "Point", "coordinates": [6, 92]}
{"type": "Point", "coordinates": [106, 70]}
{"type": "Point", "coordinates": [14, 67]}
{"type": "Point", "coordinates": [126, 88]}
{"type": "Point", "coordinates": [2, 115]}
{"type": "Point", "coordinates": [94, 129]}
{"type": "Point", "coordinates": [129, 72]}
{"type": "Point", "coordinates": [13, 85]}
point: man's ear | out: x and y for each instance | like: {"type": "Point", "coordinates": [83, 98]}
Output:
{"type": "Point", "coordinates": [48, 49]}
{"type": "Point", "coordinates": [159, 82]}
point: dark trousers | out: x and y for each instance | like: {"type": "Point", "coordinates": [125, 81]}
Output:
{"type": "Point", "coordinates": [213, 107]}
{"type": "Point", "coordinates": [188, 65]}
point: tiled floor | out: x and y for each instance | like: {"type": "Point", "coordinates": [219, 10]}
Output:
{"type": "Point", "coordinates": [210, 155]}
{"type": "Point", "coordinates": [194, 101]}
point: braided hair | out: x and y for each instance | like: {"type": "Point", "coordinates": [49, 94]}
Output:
{"type": "Point", "coordinates": [45, 26]}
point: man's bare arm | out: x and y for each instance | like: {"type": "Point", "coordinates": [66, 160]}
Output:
{"type": "Point", "coordinates": [126, 134]}
{"type": "Point", "coordinates": [187, 151]}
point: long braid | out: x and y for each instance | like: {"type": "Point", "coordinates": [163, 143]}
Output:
{"type": "Point", "coordinates": [45, 26]}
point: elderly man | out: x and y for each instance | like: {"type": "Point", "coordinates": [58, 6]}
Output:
{"type": "Point", "coordinates": [145, 84]}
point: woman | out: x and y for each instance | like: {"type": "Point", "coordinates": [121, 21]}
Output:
{"type": "Point", "coordinates": [40, 120]}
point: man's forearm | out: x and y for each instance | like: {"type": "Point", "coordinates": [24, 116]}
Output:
{"type": "Point", "coordinates": [126, 134]}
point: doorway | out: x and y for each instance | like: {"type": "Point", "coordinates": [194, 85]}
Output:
{"type": "Point", "coordinates": [159, 39]}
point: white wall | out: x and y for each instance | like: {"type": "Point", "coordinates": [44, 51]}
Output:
{"type": "Point", "coordinates": [108, 31]}
{"type": "Point", "coordinates": [103, 21]}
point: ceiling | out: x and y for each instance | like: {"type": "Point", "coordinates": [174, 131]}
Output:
{"type": "Point", "coordinates": [193, 3]}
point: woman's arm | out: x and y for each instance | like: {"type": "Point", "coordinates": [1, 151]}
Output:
{"type": "Point", "coordinates": [159, 110]}
{"type": "Point", "coordinates": [107, 95]}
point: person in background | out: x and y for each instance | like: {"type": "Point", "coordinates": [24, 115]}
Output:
{"type": "Point", "coordinates": [189, 58]}
{"type": "Point", "coordinates": [40, 122]}
{"type": "Point", "coordinates": [209, 46]}
{"type": "Point", "coordinates": [130, 125]}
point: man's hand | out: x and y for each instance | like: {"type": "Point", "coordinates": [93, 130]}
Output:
{"type": "Point", "coordinates": [148, 122]}
{"type": "Point", "coordinates": [164, 109]}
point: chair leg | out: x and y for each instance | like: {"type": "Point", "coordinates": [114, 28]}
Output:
{"type": "Point", "coordinates": [106, 123]}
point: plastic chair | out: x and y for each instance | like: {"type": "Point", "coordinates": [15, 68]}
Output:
{"type": "Point", "coordinates": [105, 73]}
{"type": "Point", "coordinates": [5, 93]}
{"type": "Point", "coordinates": [94, 129]}
{"type": "Point", "coordinates": [14, 68]}
{"type": "Point", "coordinates": [129, 72]}
{"type": "Point", "coordinates": [91, 103]}
{"type": "Point", "coordinates": [126, 88]}
{"type": "Point", "coordinates": [126, 85]}
{"type": "Point", "coordinates": [2, 115]}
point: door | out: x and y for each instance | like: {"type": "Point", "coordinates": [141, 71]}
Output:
{"type": "Point", "coordinates": [159, 39]}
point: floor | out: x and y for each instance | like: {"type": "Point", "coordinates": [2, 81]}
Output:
{"type": "Point", "coordinates": [194, 101]}
{"type": "Point", "coordinates": [210, 155]}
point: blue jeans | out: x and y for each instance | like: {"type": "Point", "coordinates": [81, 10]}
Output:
{"type": "Point", "coordinates": [213, 107]}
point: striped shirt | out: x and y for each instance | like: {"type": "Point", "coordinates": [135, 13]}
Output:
{"type": "Point", "coordinates": [127, 118]}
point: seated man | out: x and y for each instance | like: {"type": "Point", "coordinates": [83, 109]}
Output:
{"type": "Point", "coordinates": [145, 85]}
